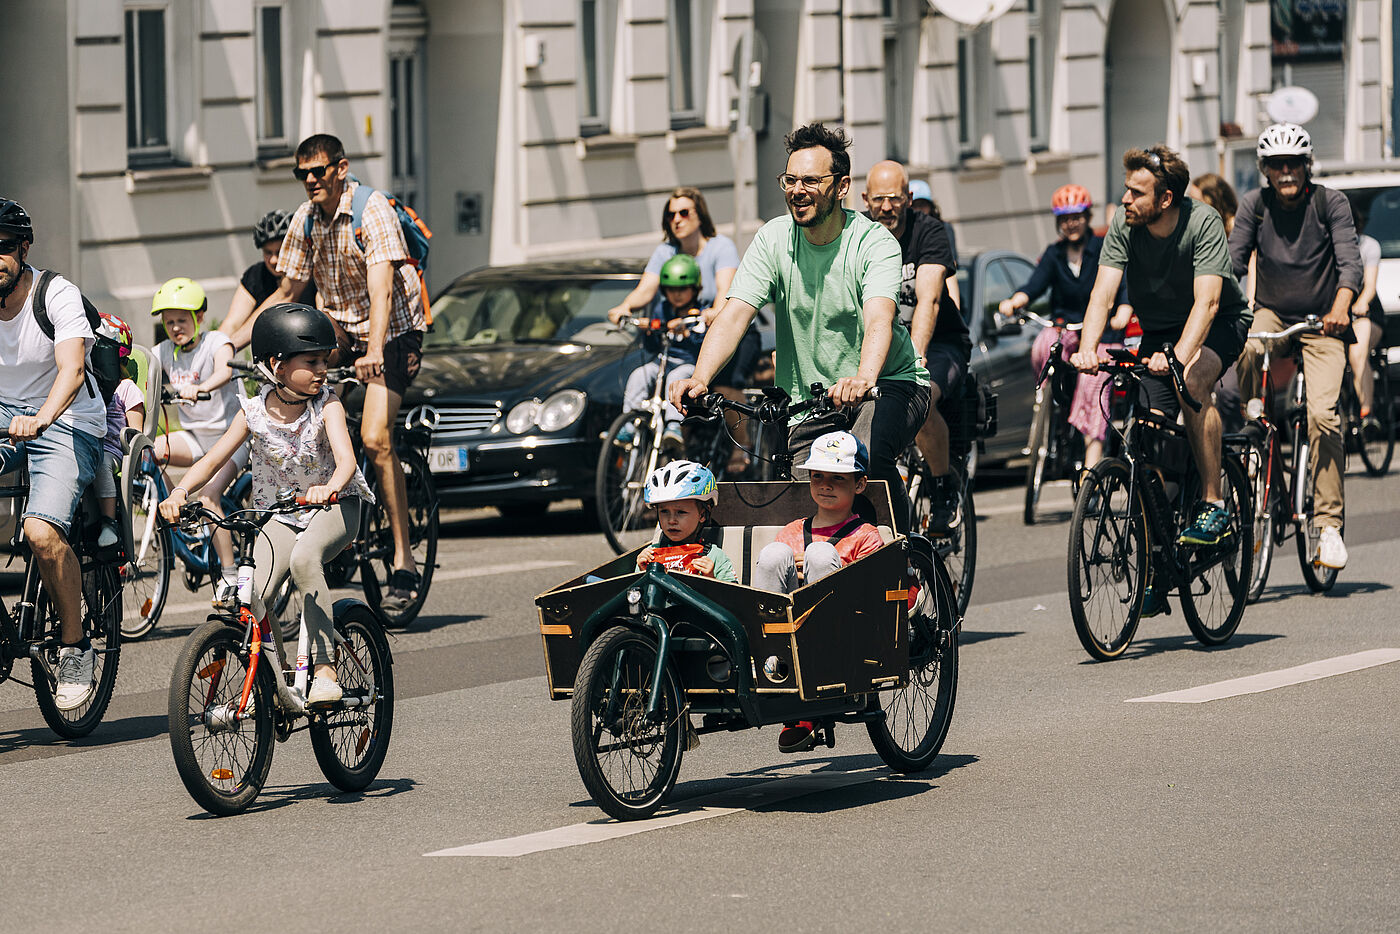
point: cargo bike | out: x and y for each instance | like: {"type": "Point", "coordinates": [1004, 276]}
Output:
{"type": "Point", "coordinates": [651, 659]}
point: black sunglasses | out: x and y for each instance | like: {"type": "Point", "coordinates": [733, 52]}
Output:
{"type": "Point", "coordinates": [679, 212]}
{"type": "Point", "coordinates": [9, 247]}
{"type": "Point", "coordinates": [317, 170]}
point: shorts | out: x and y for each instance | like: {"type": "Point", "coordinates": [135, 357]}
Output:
{"type": "Point", "coordinates": [738, 372]}
{"type": "Point", "coordinates": [202, 442]}
{"type": "Point", "coordinates": [403, 355]}
{"type": "Point", "coordinates": [1225, 338]}
{"type": "Point", "coordinates": [62, 462]}
{"type": "Point", "coordinates": [946, 365]}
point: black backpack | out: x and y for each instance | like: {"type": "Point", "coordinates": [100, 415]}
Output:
{"type": "Point", "coordinates": [104, 365]}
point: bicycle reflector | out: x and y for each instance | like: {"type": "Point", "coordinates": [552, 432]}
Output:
{"type": "Point", "coordinates": [221, 775]}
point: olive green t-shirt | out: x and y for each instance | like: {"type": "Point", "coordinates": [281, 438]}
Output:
{"type": "Point", "coordinates": [819, 293]}
{"type": "Point", "coordinates": [1161, 274]}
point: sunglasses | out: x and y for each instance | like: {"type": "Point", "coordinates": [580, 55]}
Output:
{"type": "Point", "coordinates": [9, 247]}
{"type": "Point", "coordinates": [679, 212]}
{"type": "Point", "coordinates": [317, 170]}
{"type": "Point", "coordinates": [1281, 163]}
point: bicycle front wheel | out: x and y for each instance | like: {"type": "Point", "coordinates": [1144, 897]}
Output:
{"type": "Point", "coordinates": [1376, 433]}
{"type": "Point", "coordinates": [630, 452]}
{"type": "Point", "coordinates": [1039, 446]}
{"type": "Point", "coordinates": [1107, 560]}
{"type": "Point", "coordinates": [222, 760]}
{"type": "Point", "coordinates": [146, 575]}
{"type": "Point", "coordinates": [1215, 598]}
{"type": "Point", "coordinates": [1317, 577]}
{"type": "Point", "coordinates": [352, 738]}
{"type": "Point", "coordinates": [102, 620]}
{"type": "Point", "coordinates": [1263, 496]}
{"type": "Point", "coordinates": [377, 556]}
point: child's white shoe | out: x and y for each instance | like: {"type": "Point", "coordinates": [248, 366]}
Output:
{"type": "Point", "coordinates": [324, 691]}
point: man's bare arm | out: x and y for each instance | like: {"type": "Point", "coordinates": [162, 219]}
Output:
{"type": "Point", "coordinates": [928, 290]}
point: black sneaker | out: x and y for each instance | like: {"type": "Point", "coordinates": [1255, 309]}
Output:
{"type": "Point", "coordinates": [944, 503]}
{"type": "Point", "coordinates": [403, 587]}
{"type": "Point", "coordinates": [1212, 523]}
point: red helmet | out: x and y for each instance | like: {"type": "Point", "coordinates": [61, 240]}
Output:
{"type": "Point", "coordinates": [1071, 199]}
{"type": "Point", "coordinates": [116, 329]}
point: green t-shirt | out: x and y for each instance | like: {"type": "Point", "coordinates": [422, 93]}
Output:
{"type": "Point", "coordinates": [1161, 274]}
{"type": "Point", "coordinates": [819, 293]}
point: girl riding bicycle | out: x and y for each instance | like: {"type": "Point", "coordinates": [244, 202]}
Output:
{"type": "Point", "coordinates": [298, 437]}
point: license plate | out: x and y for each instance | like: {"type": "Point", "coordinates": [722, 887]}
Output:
{"type": "Point", "coordinates": [448, 460]}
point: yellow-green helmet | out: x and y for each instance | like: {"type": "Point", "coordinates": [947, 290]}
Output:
{"type": "Point", "coordinates": [680, 271]}
{"type": "Point", "coordinates": [180, 294]}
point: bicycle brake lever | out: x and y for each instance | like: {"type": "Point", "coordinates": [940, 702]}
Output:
{"type": "Point", "coordinates": [1179, 377]}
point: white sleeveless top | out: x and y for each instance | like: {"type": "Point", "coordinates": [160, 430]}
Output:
{"type": "Point", "coordinates": [296, 455]}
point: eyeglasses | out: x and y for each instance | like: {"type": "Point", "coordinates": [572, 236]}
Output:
{"type": "Point", "coordinates": [896, 200]}
{"type": "Point", "coordinates": [1283, 163]}
{"type": "Point", "coordinates": [9, 247]}
{"type": "Point", "coordinates": [789, 182]}
{"type": "Point", "coordinates": [317, 170]}
{"type": "Point", "coordinates": [679, 212]}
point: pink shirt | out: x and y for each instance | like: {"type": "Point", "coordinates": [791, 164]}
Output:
{"type": "Point", "coordinates": [857, 544]}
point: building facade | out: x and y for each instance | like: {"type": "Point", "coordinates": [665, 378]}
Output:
{"type": "Point", "coordinates": [147, 136]}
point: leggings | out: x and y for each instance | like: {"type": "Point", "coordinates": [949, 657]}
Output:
{"type": "Point", "coordinates": [282, 549]}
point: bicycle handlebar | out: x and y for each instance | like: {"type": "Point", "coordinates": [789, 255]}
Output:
{"type": "Point", "coordinates": [193, 513]}
{"type": "Point", "coordinates": [1310, 323]}
{"type": "Point", "coordinates": [1027, 315]}
{"type": "Point", "coordinates": [777, 406]}
{"type": "Point", "coordinates": [1130, 364]}
{"type": "Point", "coordinates": [335, 374]}
{"type": "Point", "coordinates": [167, 395]}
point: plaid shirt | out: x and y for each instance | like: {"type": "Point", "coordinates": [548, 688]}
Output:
{"type": "Point", "coordinates": [331, 257]}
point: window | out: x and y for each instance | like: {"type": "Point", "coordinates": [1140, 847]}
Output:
{"type": "Point", "coordinates": [405, 112]}
{"type": "Point", "coordinates": [967, 99]}
{"type": "Point", "coordinates": [901, 55]}
{"type": "Point", "coordinates": [597, 20]}
{"type": "Point", "coordinates": [272, 94]}
{"type": "Point", "coordinates": [976, 83]}
{"type": "Point", "coordinates": [1042, 21]}
{"type": "Point", "coordinates": [690, 46]}
{"type": "Point", "coordinates": [147, 122]}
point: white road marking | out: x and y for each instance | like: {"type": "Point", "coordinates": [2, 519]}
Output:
{"type": "Point", "coordinates": [745, 798]}
{"type": "Point", "coordinates": [1255, 684]}
{"type": "Point", "coordinates": [484, 571]}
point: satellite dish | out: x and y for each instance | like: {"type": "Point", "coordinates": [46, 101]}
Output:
{"type": "Point", "coordinates": [972, 12]}
{"type": "Point", "coordinates": [1291, 105]}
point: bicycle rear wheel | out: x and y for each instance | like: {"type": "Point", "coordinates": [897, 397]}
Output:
{"type": "Point", "coordinates": [1215, 598]}
{"type": "Point", "coordinates": [222, 761]}
{"type": "Point", "coordinates": [1264, 496]}
{"type": "Point", "coordinates": [377, 554]}
{"type": "Point", "coordinates": [629, 453]}
{"type": "Point", "coordinates": [1317, 577]}
{"type": "Point", "coordinates": [145, 576]}
{"type": "Point", "coordinates": [1376, 434]}
{"type": "Point", "coordinates": [102, 620]}
{"type": "Point", "coordinates": [1039, 446]}
{"type": "Point", "coordinates": [1107, 560]}
{"type": "Point", "coordinates": [351, 742]}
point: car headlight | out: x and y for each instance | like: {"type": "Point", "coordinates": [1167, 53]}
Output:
{"type": "Point", "coordinates": [560, 410]}
{"type": "Point", "coordinates": [522, 418]}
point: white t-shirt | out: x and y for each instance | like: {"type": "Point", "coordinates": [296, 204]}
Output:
{"type": "Point", "coordinates": [192, 367]}
{"type": "Point", "coordinates": [1370, 251]}
{"type": "Point", "coordinates": [27, 365]}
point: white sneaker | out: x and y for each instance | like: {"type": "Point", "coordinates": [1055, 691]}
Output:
{"type": "Point", "coordinates": [74, 676]}
{"type": "Point", "coordinates": [1331, 553]}
{"type": "Point", "coordinates": [323, 691]}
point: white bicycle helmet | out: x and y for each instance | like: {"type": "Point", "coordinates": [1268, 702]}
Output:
{"type": "Point", "coordinates": [681, 480]}
{"type": "Point", "coordinates": [1284, 139]}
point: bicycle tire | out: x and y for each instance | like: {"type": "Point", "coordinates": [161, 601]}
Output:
{"type": "Point", "coordinates": [101, 604]}
{"type": "Point", "coordinates": [1319, 579]}
{"type": "Point", "coordinates": [620, 482]}
{"type": "Point", "coordinates": [1038, 445]}
{"type": "Point", "coordinates": [1112, 572]}
{"type": "Point", "coordinates": [1264, 513]}
{"type": "Point", "coordinates": [208, 677]}
{"type": "Point", "coordinates": [1376, 444]}
{"type": "Point", "coordinates": [1212, 616]}
{"type": "Point", "coordinates": [616, 672]}
{"type": "Point", "coordinates": [917, 715]}
{"type": "Point", "coordinates": [377, 539]}
{"type": "Point", "coordinates": [146, 574]}
{"type": "Point", "coordinates": [961, 558]}
{"type": "Point", "coordinates": [351, 743]}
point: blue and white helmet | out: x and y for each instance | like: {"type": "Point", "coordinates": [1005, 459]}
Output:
{"type": "Point", "coordinates": [681, 480]}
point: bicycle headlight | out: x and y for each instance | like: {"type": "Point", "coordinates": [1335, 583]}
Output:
{"type": "Point", "coordinates": [522, 418]}
{"type": "Point", "coordinates": [560, 410]}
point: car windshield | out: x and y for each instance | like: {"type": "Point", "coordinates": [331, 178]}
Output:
{"type": "Point", "coordinates": [525, 311]}
{"type": "Point", "coordinates": [1383, 207]}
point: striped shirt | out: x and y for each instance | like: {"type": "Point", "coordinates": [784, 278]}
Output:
{"type": "Point", "coordinates": [331, 257]}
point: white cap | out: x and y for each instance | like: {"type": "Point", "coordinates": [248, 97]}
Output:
{"type": "Point", "coordinates": [837, 452]}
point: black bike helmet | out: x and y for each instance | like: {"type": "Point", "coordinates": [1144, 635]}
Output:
{"type": "Point", "coordinates": [15, 220]}
{"type": "Point", "coordinates": [273, 226]}
{"type": "Point", "coordinates": [291, 328]}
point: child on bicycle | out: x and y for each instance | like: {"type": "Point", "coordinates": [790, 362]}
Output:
{"type": "Point", "coordinates": [808, 550]}
{"type": "Point", "coordinates": [298, 438]}
{"type": "Point", "coordinates": [196, 362]}
{"type": "Point", "coordinates": [127, 409]}
{"type": "Point", "coordinates": [683, 493]}
{"type": "Point", "coordinates": [680, 285]}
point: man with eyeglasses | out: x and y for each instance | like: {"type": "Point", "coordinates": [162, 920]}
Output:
{"type": "Point", "coordinates": [1172, 251]}
{"type": "Point", "coordinates": [1307, 262]}
{"type": "Point", "coordinates": [927, 309]}
{"type": "Point", "coordinates": [373, 296]}
{"type": "Point", "coordinates": [833, 276]}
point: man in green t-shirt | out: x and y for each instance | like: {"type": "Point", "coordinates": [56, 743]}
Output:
{"type": "Point", "coordinates": [1175, 256]}
{"type": "Point", "coordinates": [833, 276]}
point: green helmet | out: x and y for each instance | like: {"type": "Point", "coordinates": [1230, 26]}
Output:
{"type": "Point", "coordinates": [680, 271]}
{"type": "Point", "coordinates": [179, 294]}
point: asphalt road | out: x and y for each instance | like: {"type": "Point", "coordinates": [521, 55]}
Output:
{"type": "Point", "coordinates": [1056, 804]}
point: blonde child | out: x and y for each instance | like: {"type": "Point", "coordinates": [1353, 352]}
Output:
{"type": "Point", "coordinates": [683, 493]}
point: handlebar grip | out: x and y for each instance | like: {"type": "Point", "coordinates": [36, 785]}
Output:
{"type": "Point", "coordinates": [335, 498]}
{"type": "Point", "coordinates": [1179, 377]}
{"type": "Point", "coordinates": [242, 366]}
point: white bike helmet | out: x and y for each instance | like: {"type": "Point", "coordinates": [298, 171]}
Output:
{"type": "Point", "coordinates": [681, 480]}
{"type": "Point", "coordinates": [1284, 139]}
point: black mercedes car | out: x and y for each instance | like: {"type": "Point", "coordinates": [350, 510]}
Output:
{"type": "Point", "coordinates": [525, 374]}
